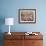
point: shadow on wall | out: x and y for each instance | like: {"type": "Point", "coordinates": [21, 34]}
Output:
{"type": "Point", "coordinates": [2, 21]}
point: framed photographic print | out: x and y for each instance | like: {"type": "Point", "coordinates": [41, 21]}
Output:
{"type": "Point", "coordinates": [27, 15]}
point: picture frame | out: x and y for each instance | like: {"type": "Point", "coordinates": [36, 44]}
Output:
{"type": "Point", "coordinates": [27, 16]}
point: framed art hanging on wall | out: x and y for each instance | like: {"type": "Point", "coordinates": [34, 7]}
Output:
{"type": "Point", "coordinates": [27, 15]}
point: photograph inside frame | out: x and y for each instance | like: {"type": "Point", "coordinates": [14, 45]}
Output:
{"type": "Point", "coordinates": [27, 15]}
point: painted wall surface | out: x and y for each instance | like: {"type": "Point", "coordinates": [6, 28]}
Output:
{"type": "Point", "coordinates": [9, 8]}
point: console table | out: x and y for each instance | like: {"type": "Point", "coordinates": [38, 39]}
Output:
{"type": "Point", "coordinates": [20, 39]}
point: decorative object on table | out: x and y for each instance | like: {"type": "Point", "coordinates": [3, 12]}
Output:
{"type": "Point", "coordinates": [9, 21]}
{"type": "Point", "coordinates": [27, 16]}
{"type": "Point", "coordinates": [30, 33]}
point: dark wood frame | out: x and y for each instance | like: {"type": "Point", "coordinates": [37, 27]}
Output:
{"type": "Point", "coordinates": [33, 11]}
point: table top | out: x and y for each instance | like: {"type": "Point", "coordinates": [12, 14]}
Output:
{"type": "Point", "coordinates": [22, 35]}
